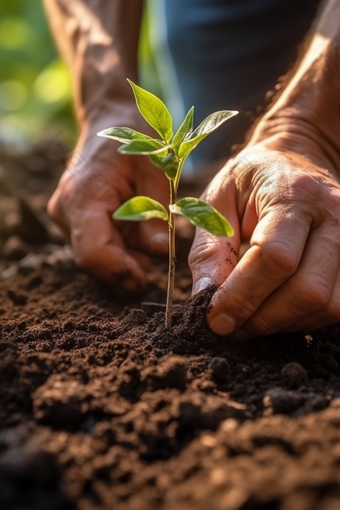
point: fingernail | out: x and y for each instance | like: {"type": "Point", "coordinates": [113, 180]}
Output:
{"type": "Point", "coordinates": [201, 284]}
{"type": "Point", "coordinates": [222, 324]}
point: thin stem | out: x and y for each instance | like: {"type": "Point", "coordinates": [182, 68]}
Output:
{"type": "Point", "coordinates": [172, 259]}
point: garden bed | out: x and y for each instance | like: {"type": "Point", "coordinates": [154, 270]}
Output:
{"type": "Point", "coordinates": [101, 407]}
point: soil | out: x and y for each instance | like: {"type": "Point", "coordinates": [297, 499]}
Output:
{"type": "Point", "coordinates": [102, 408]}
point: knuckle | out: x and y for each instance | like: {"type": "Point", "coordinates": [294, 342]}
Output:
{"type": "Point", "coordinates": [313, 196]}
{"type": "Point", "coordinates": [294, 187]}
{"type": "Point", "coordinates": [279, 257]}
{"type": "Point", "coordinates": [303, 184]}
{"type": "Point", "coordinates": [306, 184]}
{"type": "Point", "coordinates": [317, 293]}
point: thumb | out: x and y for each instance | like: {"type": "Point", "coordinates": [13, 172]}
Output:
{"type": "Point", "coordinates": [154, 237]}
{"type": "Point", "coordinates": [212, 258]}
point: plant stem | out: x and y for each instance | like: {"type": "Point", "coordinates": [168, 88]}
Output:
{"type": "Point", "coordinates": [172, 259]}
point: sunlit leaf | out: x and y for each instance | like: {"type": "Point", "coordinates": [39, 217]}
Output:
{"type": "Point", "coordinates": [140, 209]}
{"type": "Point", "coordinates": [142, 147]}
{"type": "Point", "coordinates": [207, 126]}
{"type": "Point", "coordinates": [124, 134]}
{"type": "Point", "coordinates": [203, 215]}
{"type": "Point", "coordinates": [168, 163]}
{"type": "Point", "coordinates": [184, 130]}
{"type": "Point", "coordinates": [154, 111]}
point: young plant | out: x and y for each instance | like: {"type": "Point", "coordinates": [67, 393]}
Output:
{"type": "Point", "coordinates": [168, 153]}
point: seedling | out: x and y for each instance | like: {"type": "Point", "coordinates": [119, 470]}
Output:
{"type": "Point", "coordinates": [168, 153]}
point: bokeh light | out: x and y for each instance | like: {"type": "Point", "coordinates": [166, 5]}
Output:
{"type": "Point", "coordinates": [35, 89]}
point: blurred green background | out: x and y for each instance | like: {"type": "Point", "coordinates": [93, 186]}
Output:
{"type": "Point", "coordinates": [35, 88]}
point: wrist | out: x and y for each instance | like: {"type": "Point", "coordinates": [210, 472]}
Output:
{"type": "Point", "coordinates": [289, 130]}
{"type": "Point", "coordinates": [107, 112]}
{"type": "Point", "coordinates": [100, 150]}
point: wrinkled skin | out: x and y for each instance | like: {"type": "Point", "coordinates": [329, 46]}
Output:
{"type": "Point", "coordinates": [96, 182]}
{"type": "Point", "coordinates": [288, 208]}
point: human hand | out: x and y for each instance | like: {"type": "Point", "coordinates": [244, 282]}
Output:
{"type": "Point", "coordinates": [288, 207]}
{"type": "Point", "coordinates": [96, 181]}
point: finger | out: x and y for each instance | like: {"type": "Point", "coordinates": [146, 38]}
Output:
{"type": "Point", "coordinates": [56, 214]}
{"type": "Point", "coordinates": [329, 315]}
{"type": "Point", "coordinates": [307, 293]}
{"type": "Point", "coordinates": [213, 258]}
{"type": "Point", "coordinates": [99, 249]}
{"type": "Point", "coordinates": [276, 249]}
{"type": "Point", "coordinates": [305, 298]}
{"type": "Point", "coordinates": [152, 237]}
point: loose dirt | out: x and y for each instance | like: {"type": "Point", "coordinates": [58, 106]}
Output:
{"type": "Point", "coordinates": [102, 408]}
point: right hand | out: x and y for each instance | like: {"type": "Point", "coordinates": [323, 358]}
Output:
{"type": "Point", "coordinates": [287, 206]}
{"type": "Point", "coordinates": [96, 181]}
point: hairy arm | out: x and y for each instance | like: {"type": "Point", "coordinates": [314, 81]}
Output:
{"type": "Point", "coordinates": [98, 39]}
{"type": "Point", "coordinates": [282, 195]}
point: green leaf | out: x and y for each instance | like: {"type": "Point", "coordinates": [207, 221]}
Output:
{"type": "Point", "coordinates": [184, 130]}
{"type": "Point", "coordinates": [140, 209]}
{"type": "Point", "coordinates": [207, 126]}
{"type": "Point", "coordinates": [169, 164]}
{"type": "Point", "coordinates": [154, 111]}
{"type": "Point", "coordinates": [124, 134]}
{"type": "Point", "coordinates": [142, 147]}
{"type": "Point", "coordinates": [203, 215]}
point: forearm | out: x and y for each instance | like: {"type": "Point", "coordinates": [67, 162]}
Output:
{"type": "Point", "coordinates": [309, 106]}
{"type": "Point", "coordinates": [98, 39]}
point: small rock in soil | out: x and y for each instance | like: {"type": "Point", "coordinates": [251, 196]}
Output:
{"type": "Point", "coordinates": [317, 402]}
{"type": "Point", "coordinates": [61, 404]}
{"type": "Point", "coordinates": [29, 476]}
{"type": "Point", "coordinates": [277, 400]}
{"type": "Point", "coordinates": [34, 282]}
{"type": "Point", "coordinates": [198, 412]}
{"type": "Point", "coordinates": [170, 374]}
{"type": "Point", "coordinates": [329, 363]}
{"type": "Point", "coordinates": [220, 369]}
{"type": "Point", "coordinates": [294, 375]}
{"type": "Point", "coordinates": [18, 299]}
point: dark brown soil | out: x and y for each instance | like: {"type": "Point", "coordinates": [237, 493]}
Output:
{"type": "Point", "coordinates": [102, 408]}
